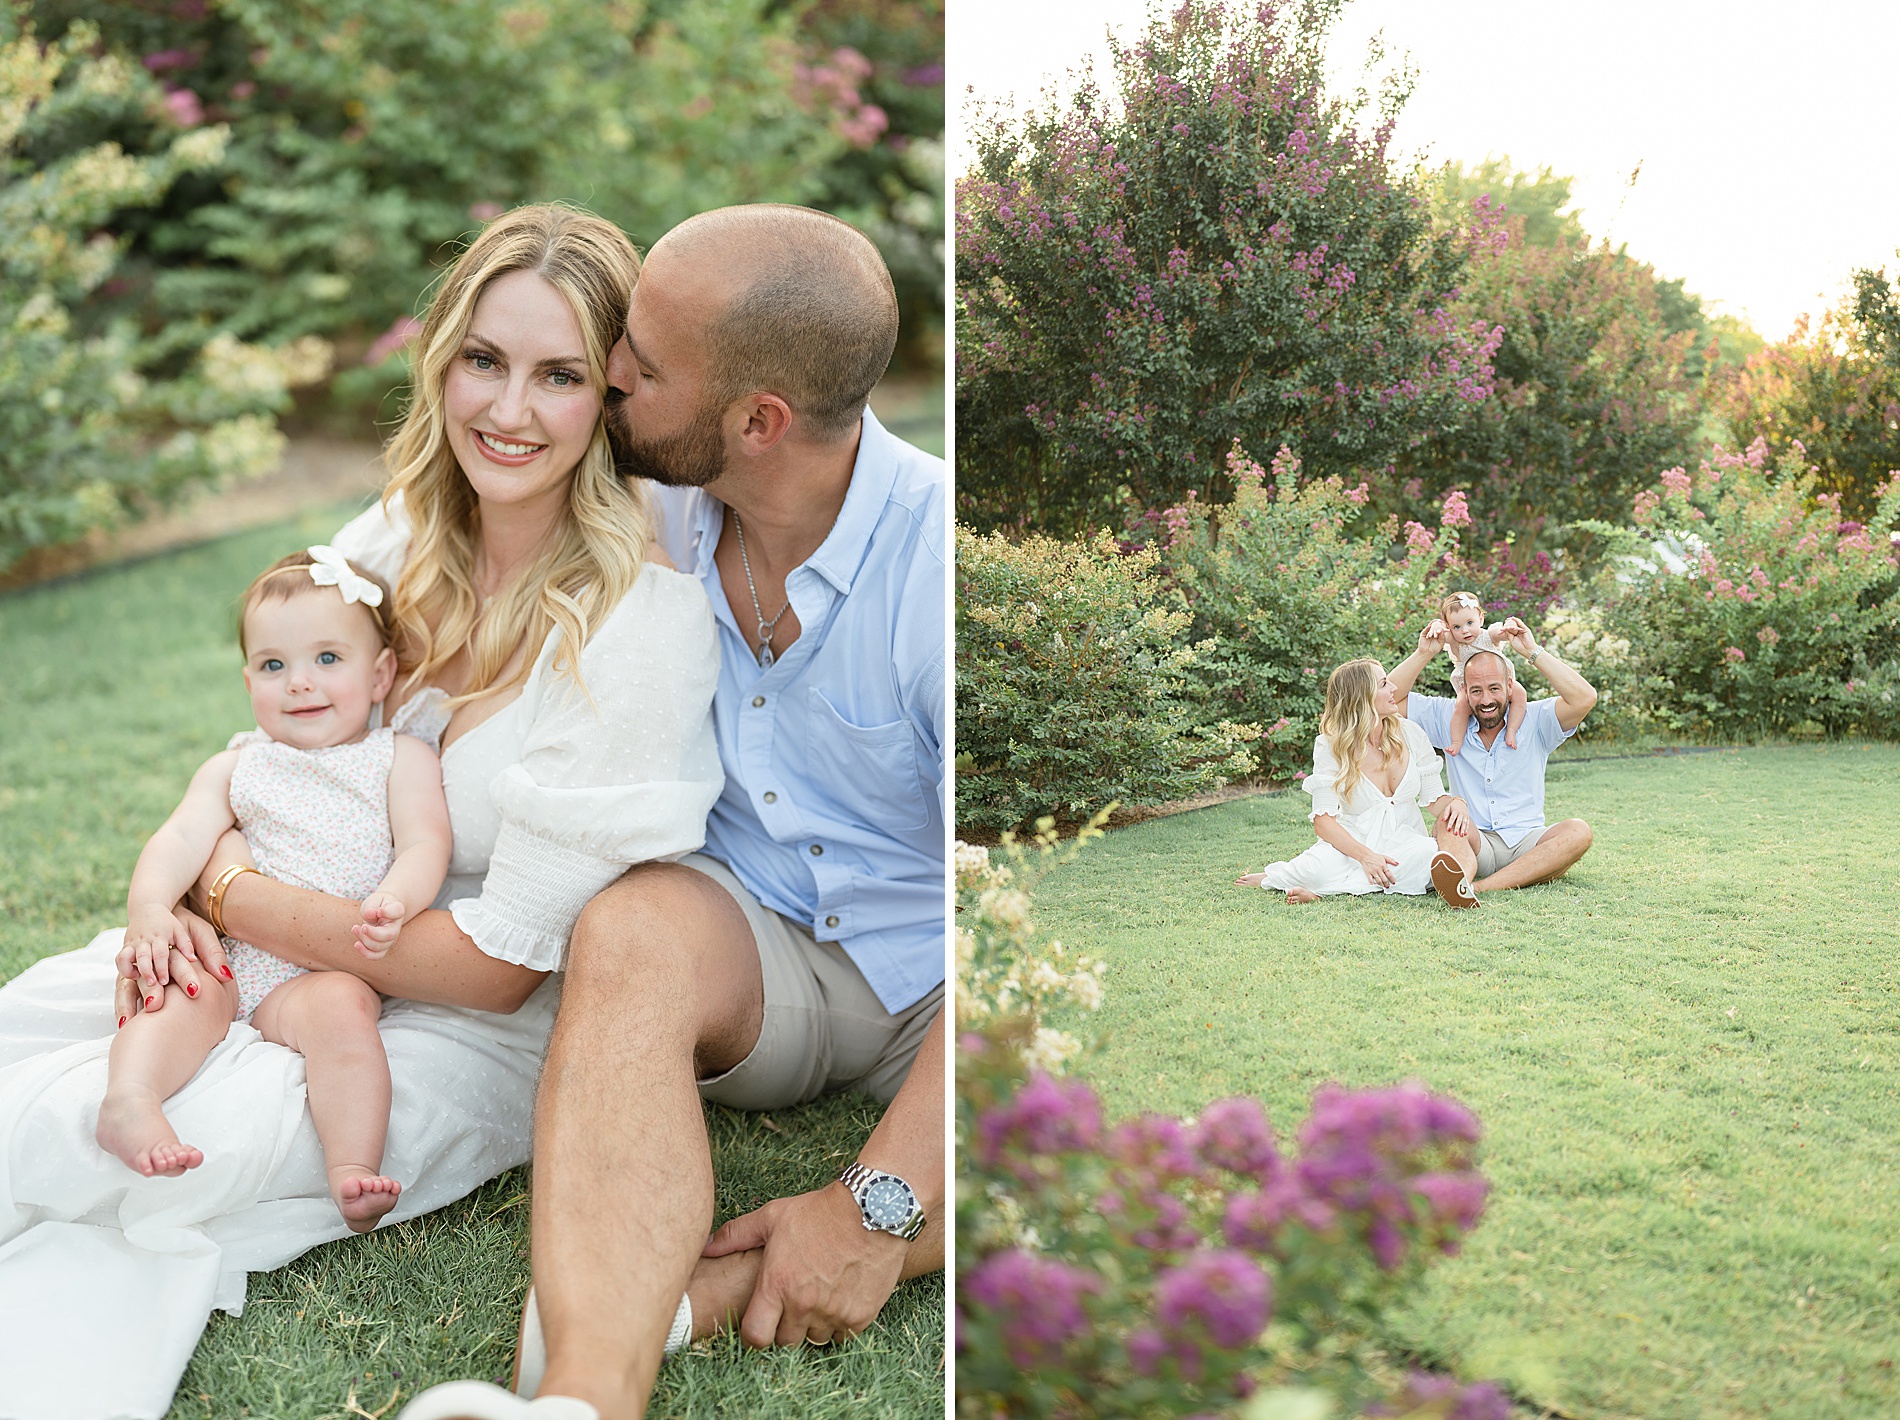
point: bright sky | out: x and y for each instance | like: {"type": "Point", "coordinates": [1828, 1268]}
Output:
{"type": "Point", "coordinates": [1765, 130]}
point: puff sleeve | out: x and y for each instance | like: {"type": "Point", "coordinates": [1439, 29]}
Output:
{"type": "Point", "coordinates": [1321, 781]}
{"type": "Point", "coordinates": [376, 539]}
{"type": "Point", "coordinates": [1430, 771]}
{"type": "Point", "coordinates": [623, 771]}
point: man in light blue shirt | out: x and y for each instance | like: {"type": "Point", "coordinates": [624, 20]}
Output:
{"type": "Point", "coordinates": [803, 951]}
{"type": "Point", "coordinates": [1503, 788]}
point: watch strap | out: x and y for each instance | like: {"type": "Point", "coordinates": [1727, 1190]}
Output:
{"type": "Point", "coordinates": [858, 1178]}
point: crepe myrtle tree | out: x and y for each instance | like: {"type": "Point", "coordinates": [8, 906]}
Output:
{"type": "Point", "coordinates": [1216, 251]}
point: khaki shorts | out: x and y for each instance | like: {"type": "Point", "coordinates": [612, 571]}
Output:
{"type": "Point", "coordinates": [824, 1029]}
{"type": "Point", "coordinates": [1493, 853]}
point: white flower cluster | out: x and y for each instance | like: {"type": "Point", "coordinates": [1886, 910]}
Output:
{"type": "Point", "coordinates": [1576, 636]}
{"type": "Point", "coordinates": [260, 374]}
{"type": "Point", "coordinates": [1005, 971]}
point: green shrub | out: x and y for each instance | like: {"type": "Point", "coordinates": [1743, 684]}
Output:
{"type": "Point", "coordinates": [94, 419]}
{"type": "Point", "coordinates": [1786, 616]}
{"type": "Point", "coordinates": [368, 137]}
{"type": "Point", "coordinates": [1286, 588]}
{"type": "Point", "coordinates": [1075, 686]}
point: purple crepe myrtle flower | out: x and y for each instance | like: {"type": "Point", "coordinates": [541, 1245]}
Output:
{"type": "Point", "coordinates": [1456, 1199]}
{"type": "Point", "coordinates": [1447, 1397]}
{"type": "Point", "coordinates": [1233, 1134]}
{"type": "Point", "coordinates": [1365, 1151]}
{"type": "Point", "coordinates": [1046, 1116]}
{"type": "Point", "coordinates": [1221, 1295]}
{"type": "Point", "coordinates": [1145, 1350]}
{"type": "Point", "coordinates": [1253, 1220]}
{"type": "Point", "coordinates": [1166, 1227]}
{"type": "Point", "coordinates": [1037, 1300]}
{"type": "Point", "coordinates": [1154, 1144]}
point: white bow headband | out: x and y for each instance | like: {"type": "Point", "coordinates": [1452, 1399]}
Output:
{"type": "Point", "coordinates": [329, 568]}
{"type": "Point", "coordinates": [1457, 598]}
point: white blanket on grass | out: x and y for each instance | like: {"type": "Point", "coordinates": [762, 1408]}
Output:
{"type": "Point", "coordinates": [107, 1279]}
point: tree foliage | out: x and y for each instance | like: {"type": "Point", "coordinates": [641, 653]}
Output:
{"type": "Point", "coordinates": [1590, 395]}
{"type": "Point", "coordinates": [1218, 250]}
{"type": "Point", "coordinates": [93, 421]}
{"type": "Point", "coordinates": [1830, 392]}
{"type": "Point", "coordinates": [368, 137]}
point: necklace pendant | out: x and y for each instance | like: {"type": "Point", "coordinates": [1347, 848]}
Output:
{"type": "Point", "coordinates": [765, 656]}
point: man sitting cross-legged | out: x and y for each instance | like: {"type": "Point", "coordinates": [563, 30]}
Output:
{"type": "Point", "coordinates": [1504, 787]}
{"type": "Point", "coordinates": [803, 951]}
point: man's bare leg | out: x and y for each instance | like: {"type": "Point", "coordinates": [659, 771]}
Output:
{"type": "Point", "coordinates": [1459, 845]}
{"type": "Point", "coordinates": [663, 986]}
{"type": "Point", "coordinates": [1555, 854]}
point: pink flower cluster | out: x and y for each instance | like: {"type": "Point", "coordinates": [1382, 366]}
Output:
{"type": "Point", "coordinates": [1041, 1299]}
{"type": "Point", "coordinates": [1457, 512]}
{"type": "Point", "coordinates": [834, 83]}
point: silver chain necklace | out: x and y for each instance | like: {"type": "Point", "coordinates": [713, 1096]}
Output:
{"type": "Point", "coordinates": [766, 628]}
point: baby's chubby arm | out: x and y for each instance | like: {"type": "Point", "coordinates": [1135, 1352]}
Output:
{"type": "Point", "coordinates": [419, 824]}
{"type": "Point", "coordinates": [168, 866]}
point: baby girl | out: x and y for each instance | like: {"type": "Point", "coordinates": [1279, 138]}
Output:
{"type": "Point", "coordinates": [1461, 621]}
{"type": "Point", "coordinates": [326, 803]}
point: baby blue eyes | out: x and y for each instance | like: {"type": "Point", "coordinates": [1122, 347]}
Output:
{"type": "Point", "coordinates": [324, 658]}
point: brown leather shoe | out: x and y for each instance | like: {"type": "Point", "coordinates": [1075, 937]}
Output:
{"type": "Point", "coordinates": [1449, 878]}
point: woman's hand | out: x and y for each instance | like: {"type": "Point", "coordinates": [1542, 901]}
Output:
{"type": "Point", "coordinates": [152, 934]}
{"type": "Point", "coordinates": [1456, 817]}
{"type": "Point", "coordinates": [157, 953]}
{"type": "Point", "coordinates": [1432, 639]}
{"type": "Point", "coordinates": [1378, 867]}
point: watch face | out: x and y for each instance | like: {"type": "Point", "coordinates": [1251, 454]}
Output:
{"type": "Point", "coordinates": [888, 1203]}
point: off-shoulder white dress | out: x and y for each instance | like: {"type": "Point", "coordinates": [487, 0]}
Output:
{"type": "Point", "coordinates": [107, 1279]}
{"type": "Point", "coordinates": [1389, 823]}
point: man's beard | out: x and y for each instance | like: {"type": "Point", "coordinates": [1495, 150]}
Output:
{"type": "Point", "coordinates": [692, 458]}
{"type": "Point", "coordinates": [1488, 718]}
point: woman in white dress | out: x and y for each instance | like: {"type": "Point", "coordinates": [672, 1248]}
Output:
{"type": "Point", "coordinates": [568, 673]}
{"type": "Point", "coordinates": [1373, 770]}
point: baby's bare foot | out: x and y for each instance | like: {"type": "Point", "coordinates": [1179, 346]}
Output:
{"type": "Point", "coordinates": [134, 1130]}
{"type": "Point", "coordinates": [362, 1197]}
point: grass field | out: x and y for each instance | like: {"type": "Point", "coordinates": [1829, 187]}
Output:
{"type": "Point", "coordinates": [113, 688]}
{"type": "Point", "coordinates": [1686, 1056]}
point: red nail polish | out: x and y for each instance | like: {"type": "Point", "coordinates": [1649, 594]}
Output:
{"type": "Point", "coordinates": [150, 1001]}
{"type": "Point", "coordinates": [121, 1022]}
{"type": "Point", "coordinates": [191, 990]}
{"type": "Point", "coordinates": [227, 972]}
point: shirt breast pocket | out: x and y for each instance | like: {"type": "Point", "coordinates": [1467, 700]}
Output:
{"type": "Point", "coordinates": [869, 770]}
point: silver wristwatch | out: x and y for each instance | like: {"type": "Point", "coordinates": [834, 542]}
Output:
{"type": "Point", "coordinates": [885, 1200]}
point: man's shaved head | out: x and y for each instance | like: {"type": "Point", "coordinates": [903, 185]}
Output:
{"type": "Point", "coordinates": [810, 313]}
{"type": "Point", "coordinates": [1473, 663]}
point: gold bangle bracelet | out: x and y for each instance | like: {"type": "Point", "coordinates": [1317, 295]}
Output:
{"type": "Point", "coordinates": [214, 898]}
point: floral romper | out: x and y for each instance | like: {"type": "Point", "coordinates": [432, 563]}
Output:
{"type": "Point", "coordinates": [315, 818]}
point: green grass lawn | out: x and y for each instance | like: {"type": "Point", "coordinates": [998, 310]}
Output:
{"type": "Point", "coordinates": [1686, 1056]}
{"type": "Point", "coordinates": [113, 688]}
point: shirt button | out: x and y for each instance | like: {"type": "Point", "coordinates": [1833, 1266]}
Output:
{"type": "Point", "coordinates": [770, 797]}
{"type": "Point", "coordinates": [832, 921]}
{"type": "Point", "coordinates": [757, 701]}
{"type": "Point", "coordinates": [818, 850]}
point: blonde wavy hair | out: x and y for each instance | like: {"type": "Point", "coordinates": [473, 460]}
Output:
{"type": "Point", "coordinates": [596, 554]}
{"type": "Point", "coordinates": [1351, 720]}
